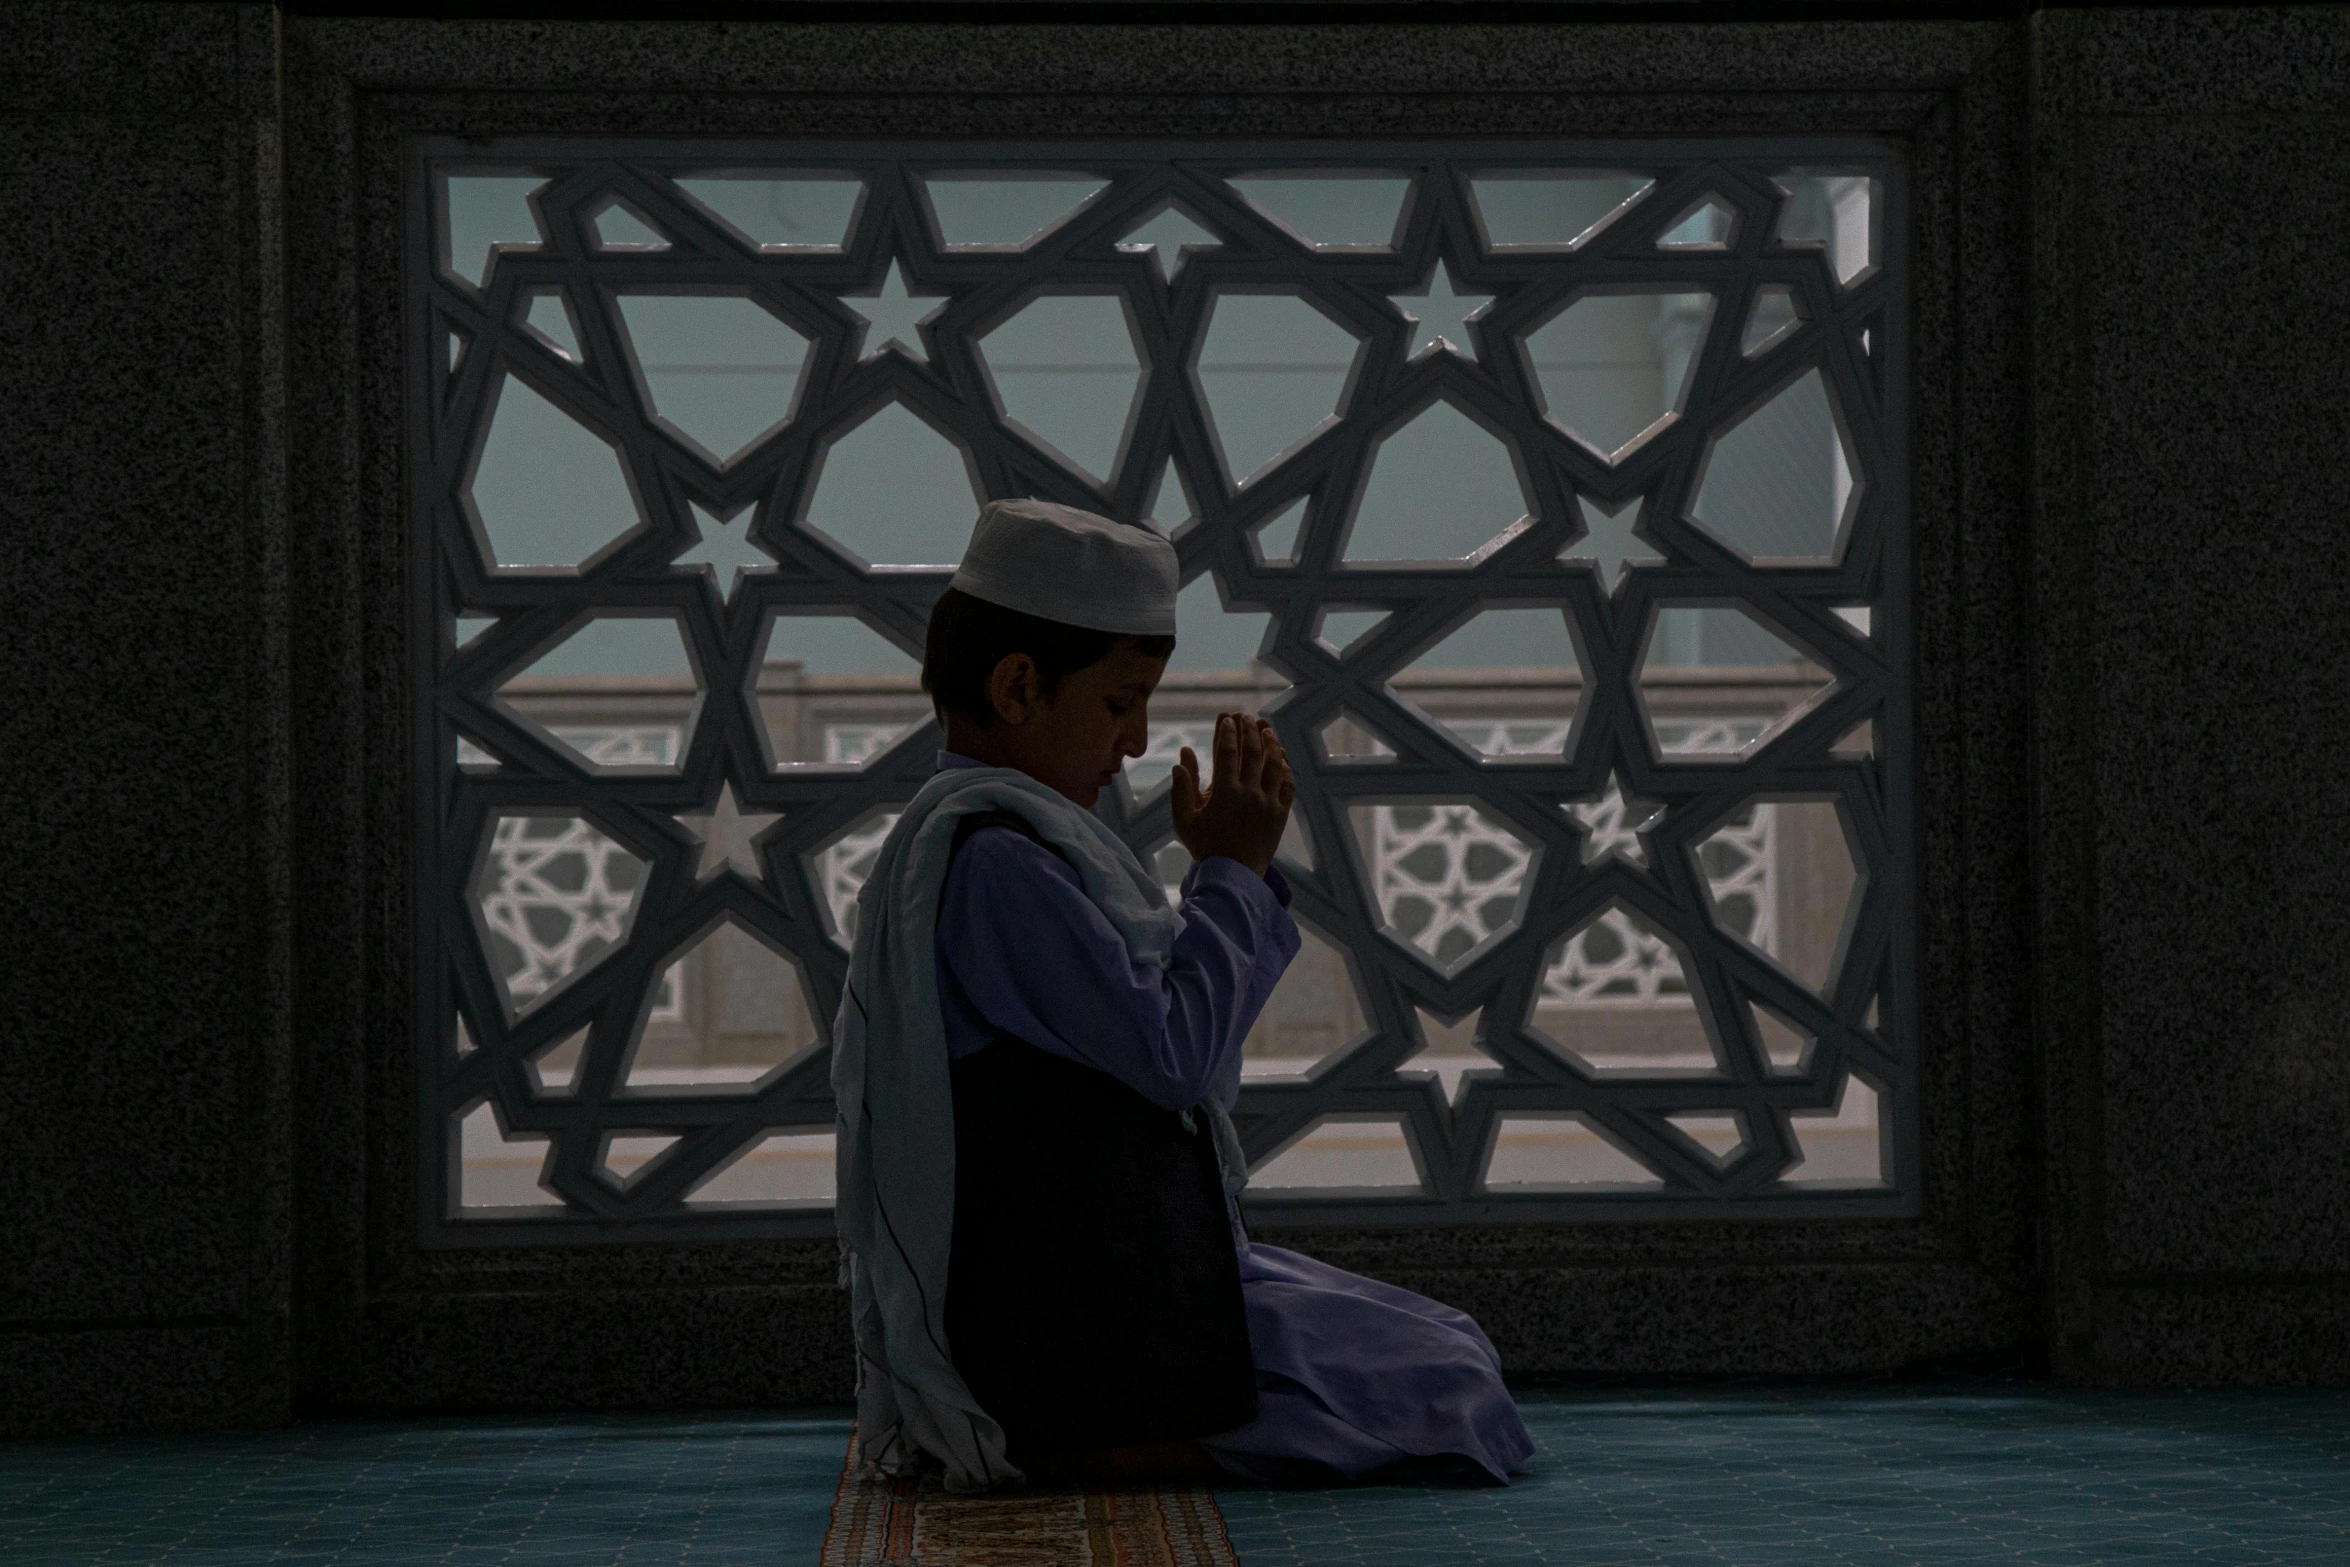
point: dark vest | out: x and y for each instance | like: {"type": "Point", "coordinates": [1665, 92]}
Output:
{"type": "Point", "coordinates": [1093, 1297]}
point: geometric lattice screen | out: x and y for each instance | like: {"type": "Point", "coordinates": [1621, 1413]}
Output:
{"type": "Point", "coordinates": [1550, 502]}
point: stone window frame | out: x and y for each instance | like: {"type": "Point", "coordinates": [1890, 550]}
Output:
{"type": "Point", "coordinates": [465, 354]}
{"type": "Point", "coordinates": [1953, 1278]}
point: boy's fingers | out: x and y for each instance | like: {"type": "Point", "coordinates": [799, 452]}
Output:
{"type": "Point", "coordinates": [1227, 747]}
{"type": "Point", "coordinates": [1252, 751]}
{"type": "Point", "coordinates": [1280, 781]}
{"type": "Point", "coordinates": [1185, 797]}
{"type": "Point", "coordinates": [1270, 774]}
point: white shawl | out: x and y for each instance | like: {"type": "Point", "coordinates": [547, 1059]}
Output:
{"type": "Point", "coordinates": [896, 1151]}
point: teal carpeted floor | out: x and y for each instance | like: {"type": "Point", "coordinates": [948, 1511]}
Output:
{"type": "Point", "coordinates": [1753, 1476]}
{"type": "Point", "coordinates": [578, 1491]}
{"type": "Point", "coordinates": [1795, 1475]}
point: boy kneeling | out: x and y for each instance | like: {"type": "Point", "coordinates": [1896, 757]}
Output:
{"type": "Point", "coordinates": [1035, 1061]}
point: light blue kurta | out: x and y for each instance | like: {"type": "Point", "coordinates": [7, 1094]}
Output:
{"type": "Point", "coordinates": [1351, 1373]}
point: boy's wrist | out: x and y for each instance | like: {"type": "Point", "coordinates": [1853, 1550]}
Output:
{"type": "Point", "coordinates": [1263, 872]}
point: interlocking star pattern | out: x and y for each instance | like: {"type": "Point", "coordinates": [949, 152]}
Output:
{"type": "Point", "coordinates": [1609, 543]}
{"type": "Point", "coordinates": [1614, 824]}
{"type": "Point", "coordinates": [1483, 891]}
{"type": "Point", "coordinates": [726, 547]}
{"type": "Point", "coordinates": [1169, 240]}
{"type": "Point", "coordinates": [894, 316]}
{"type": "Point", "coordinates": [1440, 316]}
{"type": "Point", "coordinates": [729, 836]}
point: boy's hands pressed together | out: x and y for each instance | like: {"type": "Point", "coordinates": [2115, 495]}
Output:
{"type": "Point", "coordinates": [1243, 816]}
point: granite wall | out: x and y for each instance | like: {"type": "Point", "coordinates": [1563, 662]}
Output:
{"type": "Point", "coordinates": [2193, 760]}
{"type": "Point", "coordinates": [2128, 474]}
{"type": "Point", "coordinates": [144, 1036]}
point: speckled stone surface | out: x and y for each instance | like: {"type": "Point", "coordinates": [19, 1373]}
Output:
{"type": "Point", "coordinates": [1822, 1294]}
{"type": "Point", "coordinates": [143, 1032]}
{"type": "Point", "coordinates": [2194, 461]}
{"type": "Point", "coordinates": [2223, 597]}
{"type": "Point", "coordinates": [2130, 740]}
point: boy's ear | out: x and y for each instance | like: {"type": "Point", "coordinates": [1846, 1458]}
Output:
{"type": "Point", "coordinates": [1012, 688]}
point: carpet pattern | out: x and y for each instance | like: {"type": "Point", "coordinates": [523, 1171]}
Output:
{"type": "Point", "coordinates": [877, 1522]}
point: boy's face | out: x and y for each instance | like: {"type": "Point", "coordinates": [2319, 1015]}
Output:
{"type": "Point", "coordinates": [1078, 738]}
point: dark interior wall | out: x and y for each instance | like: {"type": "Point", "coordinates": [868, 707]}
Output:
{"type": "Point", "coordinates": [185, 1003]}
{"type": "Point", "coordinates": [2194, 478]}
{"type": "Point", "coordinates": [392, 1321]}
{"type": "Point", "coordinates": [144, 1234]}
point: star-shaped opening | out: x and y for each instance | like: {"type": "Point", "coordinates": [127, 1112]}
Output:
{"type": "Point", "coordinates": [1614, 823]}
{"type": "Point", "coordinates": [893, 317]}
{"type": "Point", "coordinates": [1440, 315]}
{"type": "Point", "coordinates": [1610, 542]}
{"type": "Point", "coordinates": [729, 837]}
{"type": "Point", "coordinates": [1452, 1052]}
{"type": "Point", "coordinates": [725, 546]}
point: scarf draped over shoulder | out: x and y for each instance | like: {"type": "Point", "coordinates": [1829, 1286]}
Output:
{"type": "Point", "coordinates": [896, 1143]}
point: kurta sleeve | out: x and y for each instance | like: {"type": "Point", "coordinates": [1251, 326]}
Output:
{"type": "Point", "coordinates": [1023, 951]}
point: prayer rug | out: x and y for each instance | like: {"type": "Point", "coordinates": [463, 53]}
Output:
{"type": "Point", "coordinates": [879, 1522]}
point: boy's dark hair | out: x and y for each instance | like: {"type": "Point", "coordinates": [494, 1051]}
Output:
{"type": "Point", "coordinates": [968, 637]}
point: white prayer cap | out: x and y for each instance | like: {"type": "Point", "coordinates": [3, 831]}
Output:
{"type": "Point", "coordinates": [1059, 563]}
